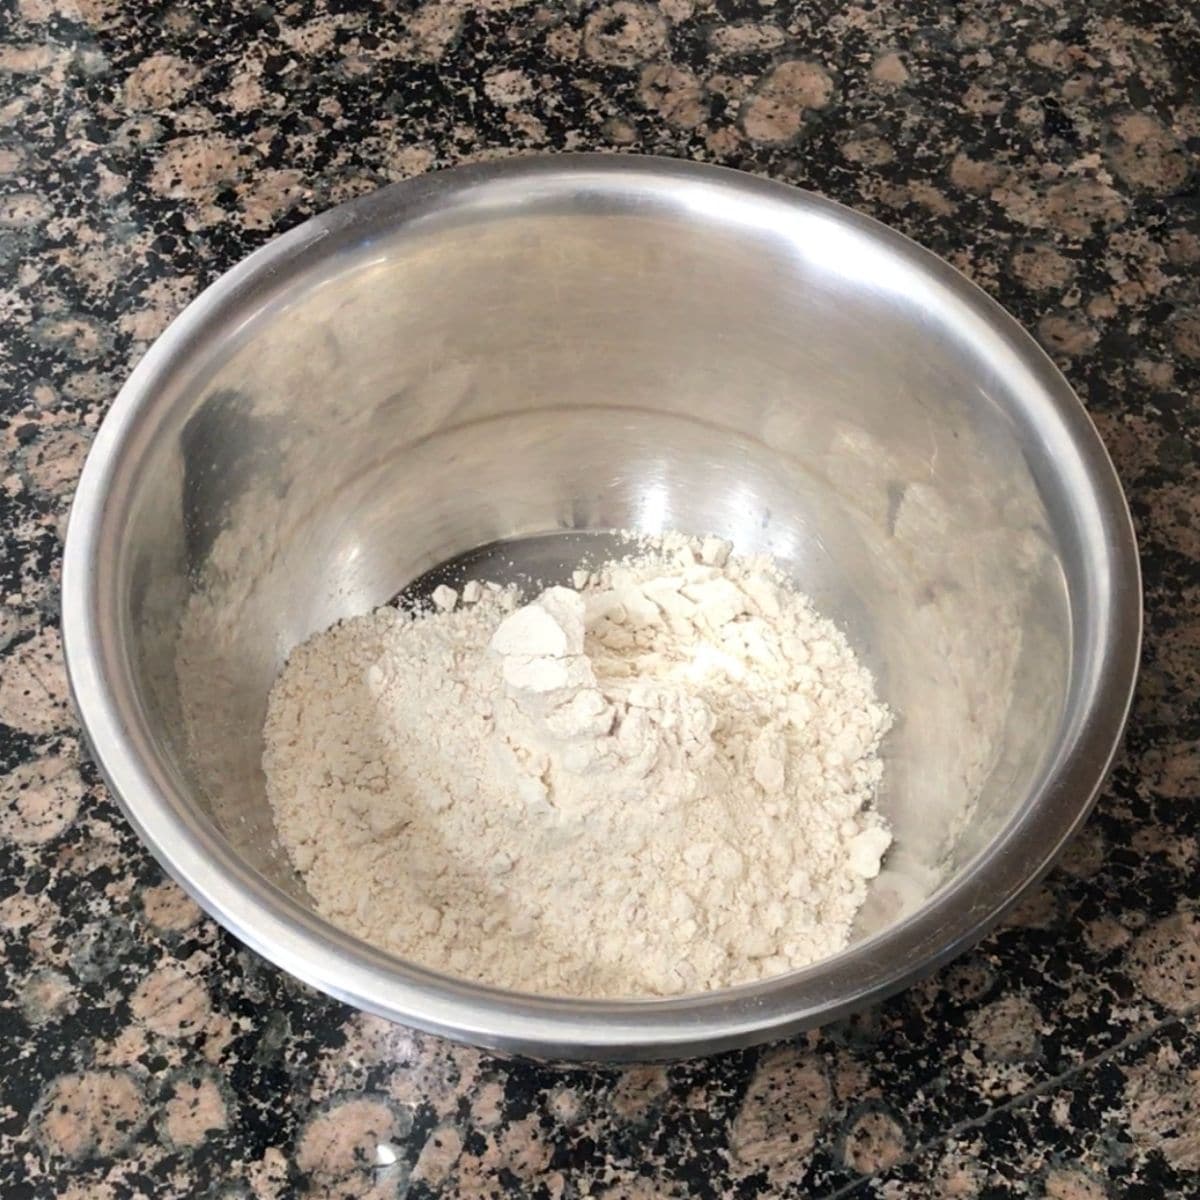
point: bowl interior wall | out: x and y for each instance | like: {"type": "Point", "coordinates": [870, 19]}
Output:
{"type": "Point", "coordinates": [455, 383]}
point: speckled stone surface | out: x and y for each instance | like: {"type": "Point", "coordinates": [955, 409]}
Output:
{"type": "Point", "coordinates": [1047, 149]}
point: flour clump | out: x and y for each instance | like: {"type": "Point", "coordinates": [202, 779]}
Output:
{"type": "Point", "coordinates": [657, 781]}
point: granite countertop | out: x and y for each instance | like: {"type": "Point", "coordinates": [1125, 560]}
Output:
{"type": "Point", "coordinates": [1046, 149]}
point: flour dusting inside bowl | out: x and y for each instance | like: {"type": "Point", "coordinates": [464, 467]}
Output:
{"type": "Point", "coordinates": [657, 781]}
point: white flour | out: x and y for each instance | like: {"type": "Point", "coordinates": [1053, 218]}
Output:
{"type": "Point", "coordinates": [655, 782]}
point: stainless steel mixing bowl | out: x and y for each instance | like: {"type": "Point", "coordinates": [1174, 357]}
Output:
{"type": "Point", "coordinates": [588, 343]}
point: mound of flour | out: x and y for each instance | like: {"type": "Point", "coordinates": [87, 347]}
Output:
{"type": "Point", "coordinates": [657, 781]}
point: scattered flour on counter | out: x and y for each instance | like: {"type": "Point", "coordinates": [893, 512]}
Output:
{"type": "Point", "coordinates": [658, 781]}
